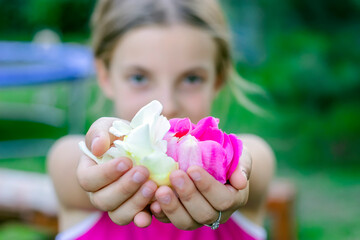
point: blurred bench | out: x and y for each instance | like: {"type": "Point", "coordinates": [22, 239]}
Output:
{"type": "Point", "coordinates": [281, 210]}
{"type": "Point", "coordinates": [30, 198]}
{"type": "Point", "coordinates": [25, 65]}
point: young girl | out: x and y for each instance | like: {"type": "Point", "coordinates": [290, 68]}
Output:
{"type": "Point", "coordinates": [175, 51]}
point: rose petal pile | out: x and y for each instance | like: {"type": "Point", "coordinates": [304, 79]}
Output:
{"type": "Point", "coordinates": [163, 146]}
{"type": "Point", "coordinates": [205, 145]}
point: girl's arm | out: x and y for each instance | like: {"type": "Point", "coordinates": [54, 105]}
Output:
{"type": "Point", "coordinates": [263, 167]}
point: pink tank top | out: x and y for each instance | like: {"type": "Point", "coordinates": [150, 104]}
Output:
{"type": "Point", "coordinates": [100, 226]}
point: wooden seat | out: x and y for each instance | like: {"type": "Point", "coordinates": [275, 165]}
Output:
{"type": "Point", "coordinates": [281, 210]}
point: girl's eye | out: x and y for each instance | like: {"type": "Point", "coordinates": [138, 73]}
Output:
{"type": "Point", "coordinates": [193, 79]}
{"type": "Point", "coordinates": [138, 79]}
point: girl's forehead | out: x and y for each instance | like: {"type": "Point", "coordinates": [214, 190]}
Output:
{"type": "Point", "coordinates": [178, 44]}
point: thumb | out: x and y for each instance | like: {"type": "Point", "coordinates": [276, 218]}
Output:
{"type": "Point", "coordinates": [240, 177]}
{"type": "Point", "coordinates": [98, 139]}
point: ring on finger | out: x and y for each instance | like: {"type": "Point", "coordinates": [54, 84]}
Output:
{"type": "Point", "coordinates": [215, 225]}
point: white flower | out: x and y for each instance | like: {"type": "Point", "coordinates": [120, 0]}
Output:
{"type": "Point", "coordinates": [142, 142]}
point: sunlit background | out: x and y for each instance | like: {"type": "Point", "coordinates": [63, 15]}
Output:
{"type": "Point", "coordinates": [305, 54]}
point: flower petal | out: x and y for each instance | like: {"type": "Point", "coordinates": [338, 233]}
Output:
{"type": "Point", "coordinates": [189, 153]}
{"type": "Point", "coordinates": [160, 166]}
{"type": "Point", "coordinates": [173, 123]}
{"type": "Point", "coordinates": [87, 152]}
{"type": "Point", "coordinates": [213, 156]}
{"type": "Point", "coordinates": [183, 127]}
{"type": "Point", "coordinates": [227, 145]}
{"type": "Point", "coordinates": [146, 113]}
{"type": "Point", "coordinates": [172, 144]}
{"type": "Point", "coordinates": [120, 128]}
{"type": "Point", "coordinates": [158, 128]}
{"type": "Point", "coordinates": [113, 152]}
{"type": "Point", "coordinates": [238, 148]}
{"type": "Point", "coordinates": [203, 125]}
{"type": "Point", "coordinates": [138, 142]}
{"type": "Point", "coordinates": [213, 134]}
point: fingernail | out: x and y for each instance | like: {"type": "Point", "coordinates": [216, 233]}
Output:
{"type": "Point", "coordinates": [93, 143]}
{"type": "Point", "coordinates": [147, 192]}
{"type": "Point", "coordinates": [122, 167]}
{"type": "Point", "coordinates": [138, 177]}
{"type": "Point", "coordinates": [156, 208]}
{"type": "Point", "coordinates": [165, 199]}
{"type": "Point", "coordinates": [195, 176]}
{"type": "Point", "coordinates": [243, 172]}
{"type": "Point", "coordinates": [178, 182]}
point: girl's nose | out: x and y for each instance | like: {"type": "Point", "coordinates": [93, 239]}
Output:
{"type": "Point", "coordinates": [169, 102]}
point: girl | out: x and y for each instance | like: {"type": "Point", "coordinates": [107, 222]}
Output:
{"type": "Point", "coordinates": [175, 51]}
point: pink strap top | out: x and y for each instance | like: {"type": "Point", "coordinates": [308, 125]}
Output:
{"type": "Point", "coordinates": [100, 226]}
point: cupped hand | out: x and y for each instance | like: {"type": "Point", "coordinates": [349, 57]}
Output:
{"type": "Point", "coordinates": [196, 197]}
{"type": "Point", "coordinates": [116, 186]}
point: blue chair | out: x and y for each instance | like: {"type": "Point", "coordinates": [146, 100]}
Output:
{"type": "Point", "coordinates": [26, 64]}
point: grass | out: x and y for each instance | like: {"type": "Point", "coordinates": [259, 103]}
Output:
{"type": "Point", "coordinates": [18, 231]}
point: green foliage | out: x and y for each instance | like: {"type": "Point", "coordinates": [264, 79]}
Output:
{"type": "Point", "coordinates": [27, 17]}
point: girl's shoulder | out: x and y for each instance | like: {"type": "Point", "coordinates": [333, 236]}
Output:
{"type": "Point", "coordinates": [258, 148]}
{"type": "Point", "coordinates": [69, 142]}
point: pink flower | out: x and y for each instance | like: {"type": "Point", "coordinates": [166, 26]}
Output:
{"type": "Point", "coordinates": [205, 145]}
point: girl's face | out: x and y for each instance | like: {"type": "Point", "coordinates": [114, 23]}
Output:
{"type": "Point", "coordinates": [174, 65]}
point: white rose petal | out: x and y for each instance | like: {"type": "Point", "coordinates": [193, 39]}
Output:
{"type": "Point", "coordinates": [120, 128]}
{"type": "Point", "coordinates": [85, 150]}
{"type": "Point", "coordinates": [146, 114]}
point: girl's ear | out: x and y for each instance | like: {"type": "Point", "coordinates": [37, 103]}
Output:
{"type": "Point", "coordinates": [103, 77]}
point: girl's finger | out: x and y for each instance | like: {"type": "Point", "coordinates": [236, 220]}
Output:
{"type": "Point", "coordinates": [238, 178]}
{"type": "Point", "coordinates": [158, 213]}
{"type": "Point", "coordinates": [115, 194]}
{"type": "Point", "coordinates": [98, 139]}
{"type": "Point", "coordinates": [221, 197]}
{"type": "Point", "coordinates": [142, 219]}
{"type": "Point", "coordinates": [130, 209]}
{"type": "Point", "coordinates": [174, 210]}
{"type": "Point", "coordinates": [93, 176]}
{"type": "Point", "coordinates": [195, 203]}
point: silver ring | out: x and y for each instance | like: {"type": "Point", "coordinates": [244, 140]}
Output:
{"type": "Point", "coordinates": [216, 224]}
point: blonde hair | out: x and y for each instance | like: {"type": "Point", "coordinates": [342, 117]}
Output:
{"type": "Point", "coordinates": [113, 18]}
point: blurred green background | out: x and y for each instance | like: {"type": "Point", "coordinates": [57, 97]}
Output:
{"type": "Point", "coordinates": [306, 56]}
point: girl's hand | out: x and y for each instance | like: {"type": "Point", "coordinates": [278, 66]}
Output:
{"type": "Point", "coordinates": [199, 197]}
{"type": "Point", "coordinates": [116, 186]}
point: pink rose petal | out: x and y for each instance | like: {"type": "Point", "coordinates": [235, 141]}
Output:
{"type": "Point", "coordinates": [203, 125]}
{"type": "Point", "coordinates": [237, 146]}
{"type": "Point", "coordinates": [205, 145]}
{"type": "Point", "coordinates": [182, 127]}
{"type": "Point", "coordinates": [172, 143]}
{"type": "Point", "coordinates": [213, 134]}
{"type": "Point", "coordinates": [189, 153]}
{"type": "Point", "coordinates": [212, 159]}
